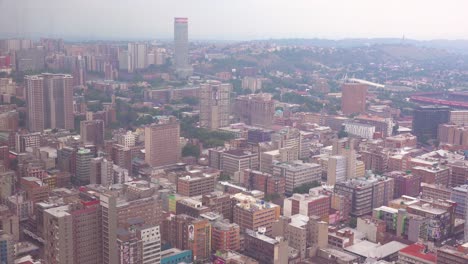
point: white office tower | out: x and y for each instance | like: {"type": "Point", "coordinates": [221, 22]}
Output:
{"type": "Point", "coordinates": [151, 240]}
{"type": "Point", "coordinates": [181, 48]}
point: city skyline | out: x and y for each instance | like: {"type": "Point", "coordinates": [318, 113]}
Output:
{"type": "Point", "coordinates": [422, 20]}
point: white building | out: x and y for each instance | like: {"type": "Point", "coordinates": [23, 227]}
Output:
{"type": "Point", "coordinates": [336, 171]}
{"type": "Point", "coordinates": [127, 140]}
{"type": "Point", "coordinates": [151, 239]}
{"type": "Point", "coordinates": [360, 130]}
{"type": "Point", "coordinates": [252, 83]}
{"type": "Point", "coordinates": [297, 173]}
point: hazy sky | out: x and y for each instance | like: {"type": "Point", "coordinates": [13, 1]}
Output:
{"type": "Point", "coordinates": [236, 19]}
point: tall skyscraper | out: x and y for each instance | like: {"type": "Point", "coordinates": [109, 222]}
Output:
{"type": "Point", "coordinates": [108, 204]}
{"type": "Point", "coordinates": [214, 104]}
{"type": "Point", "coordinates": [162, 143]}
{"type": "Point", "coordinates": [35, 103]}
{"type": "Point", "coordinates": [336, 171]}
{"type": "Point", "coordinates": [181, 48]}
{"type": "Point", "coordinates": [255, 109]}
{"type": "Point", "coordinates": [59, 97]}
{"type": "Point", "coordinates": [83, 167]}
{"type": "Point", "coordinates": [50, 101]}
{"type": "Point", "coordinates": [426, 121]}
{"type": "Point", "coordinates": [58, 233]}
{"type": "Point", "coordinates": [137, 56]}
{"type": "Point", "coordinates": [92, 131]}
{"type": "Point", "coordinates": [353, 98]}
{"type": "Point", "coordinates": [7, 248]}
{"type": "Point", "coordinates": [466, 217]}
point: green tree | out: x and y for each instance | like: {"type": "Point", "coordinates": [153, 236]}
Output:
{"type": "Point", "coordinates": [342, 134]}
{"type": "Point", "coordinates": [190, 100]}
{"type": "Point", "coordinates": [224, 177]}
{"type": "Point", "coordinates": [272, 197]}
{"type": "Point", "coordinates": [18, 102]}
{"type": "Point", "coordinates": [144, 120]}
{"type": "Point", "coordinates": [304, 188]}
{"type": "Point", "coordinates": [353, 222]}
{"type": "Point", "coordinates": [95, 107]}
{"type": "Point", "coordinates": [78, 120]}
{"type": "Point", "coordinates": [190, 150]}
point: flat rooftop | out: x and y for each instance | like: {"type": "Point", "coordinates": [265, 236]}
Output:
{"type": "Point", "coordinates": [369, 249]}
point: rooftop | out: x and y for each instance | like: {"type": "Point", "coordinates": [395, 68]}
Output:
{"type": "Point", "coordinates": [60, 211]}
{"type": "Point", "coordinates": [369, 249]}
{"type": "Point", "coordinates": [238, 153]}
{"type": "Point", "coordinates": [261, 236]}
{"type": "Point", "coordinates": [454, 251]}
{"type": "Point", "coordinates": [419, 251]}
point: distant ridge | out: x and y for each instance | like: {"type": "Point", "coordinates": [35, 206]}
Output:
{"type": "Point", "coordinates": [451, 45]}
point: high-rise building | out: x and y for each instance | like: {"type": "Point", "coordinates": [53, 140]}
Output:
{"type": "Point", "coordinates": [255, 109]}
{"type": "Point", "coordinates": [466, 217]}
{"type": "Point", "coordinates": [35, 103]}
{"type": "Point", "coordinates": [50, 101]}
{"type": "Point", "coordinates": [30, 140]}
{"type": "Point", "coordinates": [181, 48]}
{"type": "Point", "coordinates": [83, 166]}
{"type": "Point", "coordinates": [235, 161]}
{"type": "Point", "coordinates": [162, 143]}
{"type": "Point", "coordinates": [123, 59]}
{"type": "Point", "coordinates": [194, 186]}
{"type": "Point", "coordinates": [109, 214]}
{"type": "Point", "coordinates": [139, 244]}
{"type": "Point", "coordinates": [7, 248]}
{"type": "Point", "coordinates": [252, 83]}
{"type": "Point", "coordinates": [250, 213]}
{"type": "Point", "coordinates": [58, 235]}
{"type": "Point", "coordinates": [459, 195]}
{"type": "Point", "coordinates": [151, 241]}
{"type": "Point", "coordinates": [265, 182]}
{"type": "Point", "coordinates": [433, 174]}
{"type": "Point", "coordinates": [297, 173]}
{"type": "Point", "coordinates": [214, 104]}
{"type": "Point", "coordinates": [458, 173]}
{"type": "Point", "coordinates": [127, 140]}
{"type": "Point", "coordinates": [185, 232]}
{"type": "Point", "coordinates": [92, 131]}
{"type": "Point", "coordinates": [104, 172]}
{"type": "Point", "coordinates": [459, 117]}
{"type": "Point", "coordinates": [288, 138]}
{"type": "Point", "coordinates": [225, 236]}
{"type": "Point", "coordinates": [405, 184]}
{"type": "Point", "coordinates": [366, 193]}
{"type": "Point", "coordinates": [137, 56]}
{"type": "Point", "coordinates": [307, 205]}
{"type": "Point", "coordinates": [318, 233]}
{"type": "Point", "coordinates": [9, 121]}
{"type": "Point", "coordinates": [353, 99]}
{"type": "Point", "coordinates": [336, 170]}
{"type": "Point", "coordinates": [426, 120]}
{"type": "Point", "coordinates": [59, 101]}
{"type": "Point", "coordinates": [265, 249]}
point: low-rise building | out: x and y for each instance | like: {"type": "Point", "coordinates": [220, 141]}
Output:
{"type": "Point", "coordinates": [417, 253]}
{"type": "Point", "coordinates": [307, 205]}
{"type": "Point", "coordinates": [297, 173]}
{"type": "Point", "coordinates": [264, 249]}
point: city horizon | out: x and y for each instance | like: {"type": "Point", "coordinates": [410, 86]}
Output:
{"type": "Point", "coordinates": [312, 19]}
{"type": "Point", "coordinates": [220, 131]}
